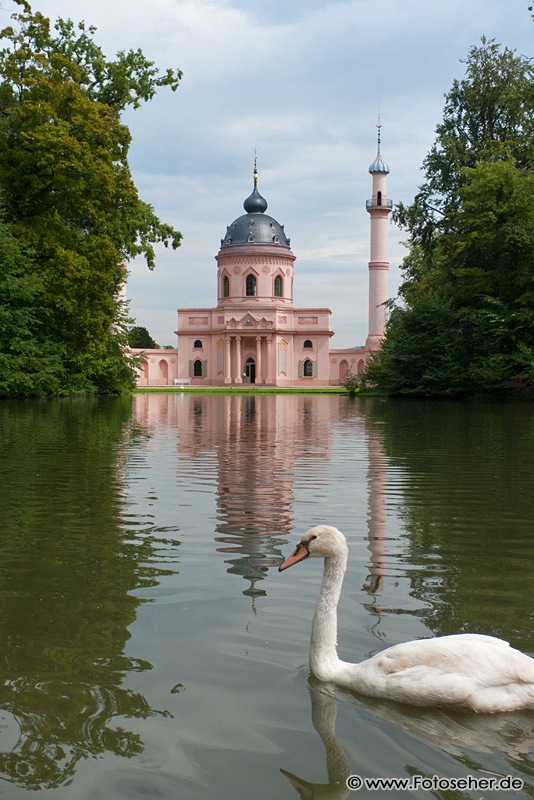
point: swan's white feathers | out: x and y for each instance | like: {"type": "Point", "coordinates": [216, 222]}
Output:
{"type": "Point", "coordinates": [471, 670]}
{"type": "Point", "coordinates": [466, 670]}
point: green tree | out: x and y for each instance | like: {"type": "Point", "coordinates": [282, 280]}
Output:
{"type": "Point", "coordinates": [29, 364]}
{"type": "Point", "coordinates": [488, 272]}
{"type": "Point", "coordinates": [69, 194]}
{"type": "Point", "coordinates": [489, 250]}
{"type": "Point", "coordinates": [423, 352]}
{"type": "Point", "coordinates": [140, 337]}
{"type": "Point", "coordinates": [465, 320]}
{"type": "Point", "coordinates": [487, 116]}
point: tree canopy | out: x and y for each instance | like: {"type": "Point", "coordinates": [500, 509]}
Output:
{"type": "Point", "coordinates": [69, 198]}
{"type": "Point", "coordinates": [138, 336]}
{"type": "Point", "coordinates": [464, 321]}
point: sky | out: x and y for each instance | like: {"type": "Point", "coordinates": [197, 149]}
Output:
{"type": "Point", "coordinates": [301, 82]}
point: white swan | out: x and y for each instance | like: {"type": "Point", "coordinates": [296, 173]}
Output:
{"type": "Point", "coordinates": [467, 670]}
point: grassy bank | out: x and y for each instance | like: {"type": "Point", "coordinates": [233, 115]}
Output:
{"type": "Point", "coordinates": [239, 390]}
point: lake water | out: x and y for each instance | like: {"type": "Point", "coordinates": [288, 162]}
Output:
{"type": "Point", "coordinates": [149, 646]}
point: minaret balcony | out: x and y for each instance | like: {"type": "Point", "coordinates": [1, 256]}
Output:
{"type": "Point", "coordinates": [382, 204]}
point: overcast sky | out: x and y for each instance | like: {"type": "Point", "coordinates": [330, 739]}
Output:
{"type": "Point", "coordinates": [302, 81]}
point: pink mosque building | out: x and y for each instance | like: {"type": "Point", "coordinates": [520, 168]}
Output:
{"type": "Point", "coordinates": [255, 335]}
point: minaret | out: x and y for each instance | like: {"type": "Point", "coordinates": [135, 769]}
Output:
{"type": "Point", "coordinates": [379, 207]}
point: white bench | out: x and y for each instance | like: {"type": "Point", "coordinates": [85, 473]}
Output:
{"type": "Point", "coordinates": [182, 381]}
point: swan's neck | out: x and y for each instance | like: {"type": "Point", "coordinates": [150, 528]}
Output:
{"type": "Point", "coordinates": [324, 661]}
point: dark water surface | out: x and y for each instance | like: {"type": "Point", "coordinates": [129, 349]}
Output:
{"type": "Point", "coordinates": [149, 648]}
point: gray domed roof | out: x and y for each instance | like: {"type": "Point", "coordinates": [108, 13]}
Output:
{"type": "Point", "coordinates": [255, 227]}
{"type": "Point", "coordinates": [379, 165]}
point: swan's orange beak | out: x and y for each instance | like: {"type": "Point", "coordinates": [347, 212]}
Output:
{"type": "Point", "coordinates": [299, 554]}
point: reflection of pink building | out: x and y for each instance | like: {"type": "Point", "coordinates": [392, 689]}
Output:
{"type": "Point", "coordinates": [248, 450]}
{"type": "Point", "coordinates": [255, 335]}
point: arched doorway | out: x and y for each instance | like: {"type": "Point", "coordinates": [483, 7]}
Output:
{"type": "Point", "coordinates": [250, 371]}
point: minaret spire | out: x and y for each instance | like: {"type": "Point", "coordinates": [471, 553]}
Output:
{"type": "Point", "coordinates": [379, 208]}
{"type": "Point", "coordinates": [379, 126]}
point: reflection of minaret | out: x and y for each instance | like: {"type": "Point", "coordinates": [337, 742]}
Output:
{"type": "Point", "coordinates": [379, 207]}
{"type": "Point", "coordinates": [376, 515]}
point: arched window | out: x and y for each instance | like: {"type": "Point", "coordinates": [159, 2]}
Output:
{"type": "Point", "coordinates": [278, 286]}
{"type": "Point", "coordinates": [379, 198]}
{"type": "Point", "coordinates": [197, 368]}
{"type": "Point", "coordinates": [250, 286]}
{"type": "Point", "coordinates": [308, 343]}
{"type": "Point", "coordinates": [197, 344]}
{"type": "Point", "coordinates": [226, 286]}
{"type": "Point", "coordinates": [308, 369]}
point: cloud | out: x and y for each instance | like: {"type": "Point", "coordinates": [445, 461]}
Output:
{"type": "Point", "coordinates": [302, 82]}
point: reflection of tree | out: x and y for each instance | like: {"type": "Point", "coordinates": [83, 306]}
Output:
{"type": "Point", "coordinates": [65, 588]}
{"type": "Point", "coordinates": [61, 721]}
{"type": "Point", "coordinates": [461, 469]}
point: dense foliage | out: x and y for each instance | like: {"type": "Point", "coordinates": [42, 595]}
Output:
{"type": "Point", "coordinates": [72, 216]}
{"type": "Point", "coordinates": [139, 336]}
{"type": "Point", "coordinates": [464, 322]}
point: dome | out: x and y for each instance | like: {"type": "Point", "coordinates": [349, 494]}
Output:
{"type": "Point", "coordinates": [255, 203]}
{"type": "Point", "coordinates": [255, 227]}
{"type": "Point", "coordinates": [379, 165]}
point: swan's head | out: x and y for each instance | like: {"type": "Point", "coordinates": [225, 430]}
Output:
{"type": "Point", "coordinates": [323, 541]}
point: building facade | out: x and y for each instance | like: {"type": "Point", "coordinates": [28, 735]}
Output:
{"type": "Point", "coordinates": [255, 335]}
